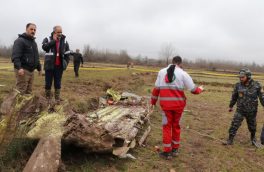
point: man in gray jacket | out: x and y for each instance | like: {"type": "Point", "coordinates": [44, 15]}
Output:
{"type": "Point", "coordinates": [25, 57]}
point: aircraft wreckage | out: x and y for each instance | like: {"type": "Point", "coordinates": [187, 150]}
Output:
{"type": "Point", "coordinates": [119, 124]}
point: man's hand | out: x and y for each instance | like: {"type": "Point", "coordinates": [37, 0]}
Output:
{"type": "Point", "coordinates": [55, 37]}
{"type": "Point", "coordinates": [21, 72]}
{"type": "Point", "coordinates": [152, 107]}
{"type": "Point", "coordinates": [230, 110]}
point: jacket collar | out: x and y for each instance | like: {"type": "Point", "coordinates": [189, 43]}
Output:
{"type": "Point", "coordinates": [249, 83]}
{"type": "Point", "coordinates": [26, 36]}
{"type": "Point", "coordinates": [176, 66]}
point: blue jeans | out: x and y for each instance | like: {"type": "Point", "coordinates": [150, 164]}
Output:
{"type": "Point", "coordinates": [55, 74]}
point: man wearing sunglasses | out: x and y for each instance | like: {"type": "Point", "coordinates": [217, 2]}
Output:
{"type": "Point", "coordinates": [25, 57]}
{"type": "Point", "coordinates": [56, 61]}
{"type": "Point", "coordinates": [246, 94]}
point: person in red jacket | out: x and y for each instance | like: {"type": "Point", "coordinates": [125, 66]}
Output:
{"type": "Point", "coordinates": [169, 89]}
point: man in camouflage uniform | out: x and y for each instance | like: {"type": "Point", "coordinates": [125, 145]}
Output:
{"type": "Point", "coordinates": [245, 94]}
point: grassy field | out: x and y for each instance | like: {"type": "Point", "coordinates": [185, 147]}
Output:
{"type": "Point", "coordinates": [207, 114]}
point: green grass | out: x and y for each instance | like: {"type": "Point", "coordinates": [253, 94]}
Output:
{"type": "Point", "coordinates": [208, 115]}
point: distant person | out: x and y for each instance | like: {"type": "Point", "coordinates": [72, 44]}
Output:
{"type": "Point", "coordinates": [77, 60]}
{"type": "Point", "coordinates": [169, 89]}
{"type": "Point", "coordinates": [132, 65]}
{"type": "Point", "coordinates": [245, 95]}
{"type": "Point", "coordinates": [56, 61]}
{"type": "Point", "coordinates": [25, 57]}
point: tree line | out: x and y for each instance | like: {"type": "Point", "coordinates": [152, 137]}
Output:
{"type": "Point", "coordinates": [166, 53]}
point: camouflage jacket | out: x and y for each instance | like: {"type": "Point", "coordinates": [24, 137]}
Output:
{"type": "Point", "coordinates": [246, 96]}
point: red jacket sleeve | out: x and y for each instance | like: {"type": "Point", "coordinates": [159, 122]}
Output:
{"type": "Point", "coordinates": [155, 95]}
{"type": "Point", "coordinates": [196, 90]}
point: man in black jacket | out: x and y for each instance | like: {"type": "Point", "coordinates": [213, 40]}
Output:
{"type": "Point", "coordinates": [56, 61]}
{"type": "Point", "coordinates": [25, 57]}
{"type": "Point", "coordinates": [77, 60]}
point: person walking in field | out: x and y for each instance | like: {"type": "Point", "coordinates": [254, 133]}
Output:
{"type": "Point", "coordinates": [169, 89]}
{"type": "Point", "coordinates": [25, 57]}
{"type": "Point", "coordinates": [77, 60]}
{"type": "Point", "coordinates": [246, 94]}
{"type": "Point", "coordinates": [56, 61]}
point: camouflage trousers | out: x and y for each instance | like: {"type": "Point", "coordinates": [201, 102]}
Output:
{"type": "Point", "coordinates": [24, 83]}
{"type": "Point", "coordinates": [238, 119]}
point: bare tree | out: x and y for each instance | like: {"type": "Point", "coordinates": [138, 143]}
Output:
{"type": "Point", "coordinates": [88, 52]}
{"type": "Point", "coordinates": [167, 51]}
{"type": "Point", "coordinates": [6, 51]}
{"type": "Point", "coordinates": [124, 57]}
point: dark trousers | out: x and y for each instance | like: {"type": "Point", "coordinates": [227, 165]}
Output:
{"type": "Point", "coordinates": [55, 74]}
{"type": "Point", "coordinates": [76, 68]}
{"type": "Point", "coordinates": [238, 119]}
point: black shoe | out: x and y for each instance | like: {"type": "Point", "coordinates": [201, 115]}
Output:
{"type": "Point", "coordinates": [253, 141]}
{"type": "Point", "coordinates": [175, 152]}
{"type": "Point", "coordinates": [165, 155]}
{"type": "Point", "coordinates": [253, 138]}
{"type": "Point", "coordinates": [256, 144]}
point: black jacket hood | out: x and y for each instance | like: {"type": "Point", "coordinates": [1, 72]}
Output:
{"type": "Point", "coordinates": [24, 35]}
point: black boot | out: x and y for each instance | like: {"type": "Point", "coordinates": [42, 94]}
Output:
{"type": "Point", "coordinates": [254, 141]}
{"type": "Point", "coordinates": [262, 135]}
{"type": "Point", "coordinates": [253, 138]}
{"type": "Point", "coordinates": [230, 140]}
{"type": "Point", "coordinates": [175, 152]}
{"type": "Point", "coordinates": [165, 155]}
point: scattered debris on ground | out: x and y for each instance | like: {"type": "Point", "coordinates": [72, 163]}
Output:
{"type": "Point", "coordinates": [114, 127]}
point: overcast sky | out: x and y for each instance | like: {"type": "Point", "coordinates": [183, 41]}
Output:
{"type": "Point", "coordinates": [210, 29]}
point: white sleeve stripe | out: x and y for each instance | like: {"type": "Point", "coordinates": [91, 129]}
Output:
{"type": "Point", "coordinates": [48, 54]}
{"type": "Point", "coordinates": [67, 52]}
